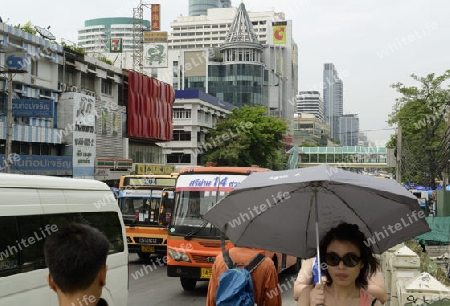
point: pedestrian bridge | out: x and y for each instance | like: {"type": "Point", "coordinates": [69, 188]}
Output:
{"type": "Point", "coordinates": [343, 157]}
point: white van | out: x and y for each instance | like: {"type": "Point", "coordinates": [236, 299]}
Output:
{"type": "Point", "coordinates": [31, 208]}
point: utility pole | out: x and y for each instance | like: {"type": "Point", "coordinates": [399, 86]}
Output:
{"type": "Point", "coordinates": [9, 124]}
{"type": "Point", "coordinates": [398, 173]}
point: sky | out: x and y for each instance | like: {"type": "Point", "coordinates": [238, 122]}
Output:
{"type": "Point", "coordinates": [373, 43]}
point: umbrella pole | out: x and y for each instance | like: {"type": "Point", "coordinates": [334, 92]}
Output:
{"type": "Point", "coordinates": [319, 270]}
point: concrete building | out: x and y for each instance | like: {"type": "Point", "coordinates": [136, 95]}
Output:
{"type": "Point", "coordinates": [310, 102]}
{"type": "Point", "coordinates": [308, 128]}
{"type": "Point", "coordinates": [333, 97]}
{"type": "Point", "coordinates": [241, 57]}
{"type": "Point", "coordinates": [195, 112]}
{"type": "Point", "coordinates": [200, 7]}
{"type": "Point", "coordinates": [95, 37]}
{"type": "Point", "coordinates": [77, 116]}
{"type": "Point", "coordinates": [210, 30]}
{"type": "Point", "coordinates": [348, 133]}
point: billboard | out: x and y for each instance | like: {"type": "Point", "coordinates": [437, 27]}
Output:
{"type": "Point", "coordinates": [279, 32]}
{"type": "Point", "coordinates": [156, 17]}
{"type": "Point", "coordinates": [84, 139]}
{"type": "Point", "coordinates": [155, 37]}
{"type": "Point", "coordinates": [155, 55]}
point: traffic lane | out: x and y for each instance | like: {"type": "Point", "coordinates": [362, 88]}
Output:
{"type": "Point", "coordinates": [149, 285]}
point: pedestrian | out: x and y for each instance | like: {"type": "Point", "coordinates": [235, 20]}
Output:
{"type": "Point", "coordinates": [76, 258]}
{"type": "Point", "coordinates": [349, 264]}
{"type": "Point", "coordinates": [264, 277]}
{"type": "Point", "coordinates": [376, 286]}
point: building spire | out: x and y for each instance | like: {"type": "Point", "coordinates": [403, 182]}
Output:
{"type": "Point", "coordinates": [241, 29]}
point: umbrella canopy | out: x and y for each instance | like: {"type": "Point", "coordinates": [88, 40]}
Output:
{"type": "Point", "coordinates": [277, 210]}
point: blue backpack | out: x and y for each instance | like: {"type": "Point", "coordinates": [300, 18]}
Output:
{"type": "Point", "coordinates": [236, 284]}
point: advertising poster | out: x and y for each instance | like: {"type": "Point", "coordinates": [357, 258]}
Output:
{"type": "Point", "coordinates": [84, 139]}
{"type": "Point", "coordinates": [155, 55]}
{"type": "Point", "coordinates": [115, 124]}
{"type": "Point", "coordinates": [104, 121]}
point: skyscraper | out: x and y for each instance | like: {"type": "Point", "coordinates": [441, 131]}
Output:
{"type": "Point", "coordinates": [333, 97]}
{"type": "Point", "coordinates": [200, 7]}
{"type": "Point", "coordinates": [348, 133]}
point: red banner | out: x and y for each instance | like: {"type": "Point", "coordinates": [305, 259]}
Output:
{"type": "Point", "coordinates": [156, 17]}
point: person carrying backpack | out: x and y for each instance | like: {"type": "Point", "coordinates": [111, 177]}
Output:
{"type": "Point", "coordinates": [248, 272]}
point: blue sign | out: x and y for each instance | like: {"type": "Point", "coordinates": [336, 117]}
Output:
{"type": "Point", "coordinates": [16, 62]}
{"type": "Point", "coordinates": [32, 108]}
{"type": "Point", "coordinates": [40, 164]}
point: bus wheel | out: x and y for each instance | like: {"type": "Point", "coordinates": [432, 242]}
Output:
{"type": "Point", "coordinates": [143, 255]}
{"type": "Point", "coordinates": [188, 284]}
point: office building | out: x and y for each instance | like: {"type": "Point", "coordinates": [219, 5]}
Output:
{"type": "Point", "coordinates": [348, 133]}
{"type": "Point", "coordinates": [333, 98]}
{"type": "Point", "coordinates": [200, 7]}
{"type": "Point", "coordinates": [310, 102]}
{"type": "Point", "coordinates": [96, 35]}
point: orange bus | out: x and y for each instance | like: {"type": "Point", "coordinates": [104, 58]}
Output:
{"type": "Point", "coordinates": [194, 243]}
{"type": "Point", "coordinates": [146, 202]}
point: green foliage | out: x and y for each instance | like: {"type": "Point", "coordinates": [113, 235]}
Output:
{"type": "Point", "coordinates": [27, 27]}
{"type": "Point", "coordinates": [421, 112]}
{"type": "Point", "coordinates": [246, 137]}
{"type": "Point", "coordinates": [105, 60]}
{"type": "Point", "coordinates": [73, 48]}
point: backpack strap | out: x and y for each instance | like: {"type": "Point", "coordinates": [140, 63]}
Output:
{"type": "Point", "coordinates": [228, 260]}
{"type": "Point", "coordinates": [373, 302]}
{"type": "Point", "coordinates": [256, 261]}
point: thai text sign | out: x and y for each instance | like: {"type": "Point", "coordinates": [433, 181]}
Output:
{"type": "Point", "coordinates": [32, 108]}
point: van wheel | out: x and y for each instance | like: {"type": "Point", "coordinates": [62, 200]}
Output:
{"type": "Point", "coordinates": [188, 284]}
{"type": "Point", "coordinates": [143, 255]}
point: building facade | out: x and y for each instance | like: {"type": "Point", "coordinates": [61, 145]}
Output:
{"type": "Point", "coordinates": [96, 35]}
{"type": "Point", "coordinates": [333, 97]}
{"type": "Point", "coordinates": [310, 102]}
{"type": "Point", "coordinates": [77, 116]}
{"type": "Point", "coordinates": [200, 7]}
{"type": "Point", "coordinates": [195, 112]}
{"type": "Point", "coordinates": [348, 130]}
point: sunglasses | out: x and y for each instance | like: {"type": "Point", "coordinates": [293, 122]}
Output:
{"type": "Point", "coordinates": [349, 259]}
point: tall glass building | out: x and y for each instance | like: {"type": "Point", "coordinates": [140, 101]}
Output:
{"type": "Point", "coordinates": [333, 98]}
{"type": "Point", "coordinates": [200, 7]}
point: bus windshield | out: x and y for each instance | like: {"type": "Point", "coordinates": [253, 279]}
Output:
{"type": "Point", "coordinates": [147, 207]}
{"type": "Point", "coordinates": [196, 195]}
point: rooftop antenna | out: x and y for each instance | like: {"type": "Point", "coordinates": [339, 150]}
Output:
{"type": "Point", "coordinates": [45, 32]}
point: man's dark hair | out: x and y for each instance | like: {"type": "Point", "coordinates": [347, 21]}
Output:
{"type": "Point", "coordinates": [352, 234]}
{"type": "Point", "coordinates": [74, 256]}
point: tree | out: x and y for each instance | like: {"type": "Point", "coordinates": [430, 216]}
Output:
{"type": "Point", "coordinates": [27, 27]}
{"type": "Point", "coordinates": [422, 113]}
{"type": "Point", "coordinates": [246, 137]}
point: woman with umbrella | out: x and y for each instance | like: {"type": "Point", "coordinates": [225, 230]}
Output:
{"type": "Point", "coordinates": [350, 263]}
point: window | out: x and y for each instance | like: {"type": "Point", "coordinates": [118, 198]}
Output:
{"type": "Point", "coordinates": [178, 158]}
{"type": "Point", "coordinates": [180, 135]}
{"type": "Point", "coordinates": [107, 86]}
{"type": "Point", "coordinates": [181, 113]}
{"type": "Point", "coordinates": [23, 237]}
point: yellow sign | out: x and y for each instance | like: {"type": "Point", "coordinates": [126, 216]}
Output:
{"type": "Point", "coordinates": [154, 169]}
{"type": "Point", "coordinates": [154, 37]}
{"type": "Point", "coordinates": [279, 35]}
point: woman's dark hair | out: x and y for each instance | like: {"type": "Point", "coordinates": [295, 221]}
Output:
{"type": "Point", "coordinates": [351, 233]}
{"type": "Point", "coordinates": [74, 255]}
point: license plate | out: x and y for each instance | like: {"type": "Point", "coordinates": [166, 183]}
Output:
{"type": "Point", "coordinates": [205, 272]}
{"type": "Point", "coordinates": [147, 249]}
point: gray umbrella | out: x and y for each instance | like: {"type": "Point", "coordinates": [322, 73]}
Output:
{"type": "Point", "coordinates": [289, 211]}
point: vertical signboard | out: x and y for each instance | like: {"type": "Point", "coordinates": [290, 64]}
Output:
{"type": "Point", "coordinates": [84, 140]}
{"type": "Point", "coordinates": [156, 14]}
{"type": "Point", "coordinates": [279, 32]}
